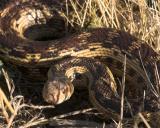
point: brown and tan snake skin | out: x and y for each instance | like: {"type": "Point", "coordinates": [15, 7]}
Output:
{"type": "Point", "coordinates": [88, 53]}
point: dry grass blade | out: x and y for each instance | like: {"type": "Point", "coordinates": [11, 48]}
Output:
{"type": "Point", "coordinates": [103, 10]}
{"type": "Point", "coordinates": [73, 113]}
{"type": "Point", "coordinates": [122, 96]}
{"type": "Point", "coordinates": [3, 99]}
{"type": "Point", "coordinates": [144, 120]}
{"type": "Point", "coordinates": [5, 104]}
{"type": "Point", "coordinates": [149, 81]}
{"type": "Point", "coordinates": [157, 80]}
{"type": "Point", "coordinates": [53, 119]}
{"type": "Point", "coordinates": [15, 113]}
{"type": "Point", "coordinates": [5, 74]}
{"type": "Point", "coordinates": [4, 112]}
{"type": "Point", "coordinates": [76, 11]}
{"type": "Point", "coordinates": [76, 123]}
{"type": "Point", "coordinates": [85, 12]}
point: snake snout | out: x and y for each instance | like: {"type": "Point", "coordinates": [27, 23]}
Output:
{"type": "Point", "coordinates": [57, 91]}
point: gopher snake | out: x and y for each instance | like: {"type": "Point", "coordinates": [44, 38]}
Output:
{"type": "Point", "coordinates": [23, 47]}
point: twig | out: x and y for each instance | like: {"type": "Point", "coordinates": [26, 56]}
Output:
{"type": "Point", "coordinates": [36, 106]}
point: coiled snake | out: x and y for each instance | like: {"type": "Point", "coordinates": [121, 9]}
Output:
{"type": "Point", "coordinates": [79, 59]}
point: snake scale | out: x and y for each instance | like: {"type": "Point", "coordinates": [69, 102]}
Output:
{"type": "Point", "coordinates": [94, 58]}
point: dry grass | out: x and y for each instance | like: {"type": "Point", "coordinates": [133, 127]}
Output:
{"type": "Point", "coordinates": [134, 16]}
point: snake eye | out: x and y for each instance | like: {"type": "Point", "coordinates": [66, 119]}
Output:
{"type": "Point", "coordinates": [77, 76]}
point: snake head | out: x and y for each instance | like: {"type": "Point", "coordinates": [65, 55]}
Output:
{"type": "Point", "coordinates": [57, 90]}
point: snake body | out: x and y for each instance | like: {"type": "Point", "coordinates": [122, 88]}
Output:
{"type": "Point", "coordinates": [22, 47]}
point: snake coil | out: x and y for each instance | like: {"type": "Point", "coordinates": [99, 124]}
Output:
{"type": "Point", "coordinates": [29, 37]}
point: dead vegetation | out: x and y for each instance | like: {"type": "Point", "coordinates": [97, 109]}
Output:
{"type": "Point", "coordinates": [134, 16]}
